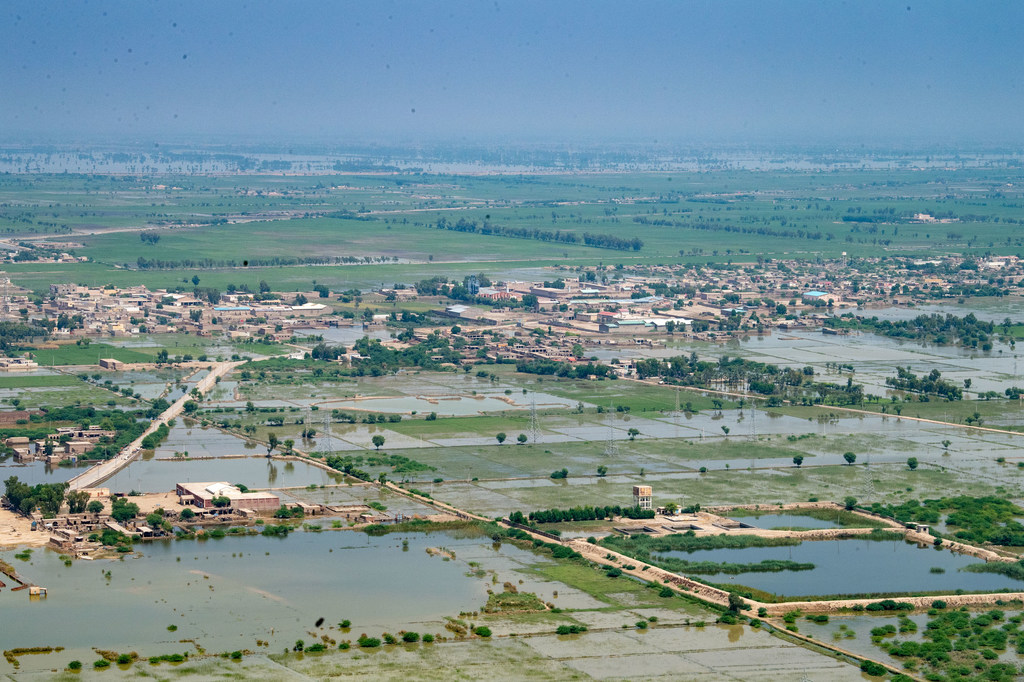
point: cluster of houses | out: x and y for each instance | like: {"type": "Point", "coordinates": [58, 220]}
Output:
{"type": "Point", "coordinates": [66, 443]}
{"type": "Point", "coordinates": [91, 311]}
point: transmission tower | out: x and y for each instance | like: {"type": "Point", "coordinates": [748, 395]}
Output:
{"type": "Point", "coordinates": [326, 442]}
{"type": "Point", "coordinates": [869, 483]}
{"type": "Point", "coordinates": [534, 426]}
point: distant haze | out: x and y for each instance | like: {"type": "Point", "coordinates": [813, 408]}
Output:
{"type": "Point", "coordinates": [744, 71]}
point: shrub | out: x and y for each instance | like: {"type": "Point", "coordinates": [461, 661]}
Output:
{"type": "Point", "coordinates": [666, 592]}
{"type": "Point", "coordinates": [75, 665]}
{"type": "Point", "coordinates": [428, 638]}
{"type": "Point", "coordinates": [872, 668]}
{"type": "Point", "coordinates": [410, 637]}
{"type": "Point", "coordinates": [570, 629]}
{"type": "Point", "coordinates": [124, 659]}
{"type": "Point", "coordinates": [368, 642]}
{"type": "Point", "coordinates": [482, 631]}
{"type": "Point", "coordinates": [102, 663]}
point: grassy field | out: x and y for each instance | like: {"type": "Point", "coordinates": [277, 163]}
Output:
{"type": "Point", "coordinates": [72, 354]}
{"type": "Point", "coordinates": [680, 218]}
{"type": "Point", "coordinates": [37, 381]}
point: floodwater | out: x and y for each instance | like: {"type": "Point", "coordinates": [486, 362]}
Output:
{"type": "Point", "coordinates": [202, 442]}
{"type": "Point", "coordinates": [854, 566]}
{"type": "Point", "coordinates": [873, 357]}
{"type": "Point", "coordinates": [228, 593]}
{"type": "Point", "coordinates": [37, 472]}
{"type": "Point", "coordinates": [453, 405]}
{"type": "Point", "coordinates": [161, 475]}
{"type": "Point", "coordinates": [345, 336]}
{"type": "Point", "coordinates": [783, 521]}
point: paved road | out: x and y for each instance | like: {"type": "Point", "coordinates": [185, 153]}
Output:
{"type": "Point", "coordinates": [108, 468]}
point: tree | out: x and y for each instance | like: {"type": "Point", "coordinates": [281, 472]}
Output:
{"type": "Point", "coordinates": [187, 514]}
{"type": "Point", "coordinates": [725, 430]}
{"type": "Point", "coordinates": [378, 440]}
{"type": "Point", "coordinates": [221, 501]}
{"type": "Point", "coordinates": [577, 351]}
{"type": "Point", "coordinates": [272, 442]}
{"type": "Point", "coordinates": [560, 474]}
{"type": "Point", "coordinates": [798, 460]}
{"type": "Point", "coordinates": [850, 502]}
{"type": "Point", "coordinates": [736, 603]}
{"type": "Point", "coordinates": [521, 438]}
{"type": "Point", "coordinates": [289, 443]}
{"type": "Point", "coordinates": [946, 444]}
{"type": "Point", "coordinates": [77, 501]}
{"type": "Point", "coordinates": [195, 280]}
{"type": "Point", "coordinates": [602, 470]}
{"type": "Point", "coordinates": [633, 433]}
{"type": "Point", "coordinates": [912, 463]}
{"type": "Point", "coordinates": [850, 457]}
{"type": "Point", "coordinates": [94, 507]}
{"type": "Point", "coordinates": [122, 510]}
{"type": "Point", "coordinates": [501, 437]}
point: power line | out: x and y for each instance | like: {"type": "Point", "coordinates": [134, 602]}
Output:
{"type": "Point", "coordinates": [611, 448]}
{"type": "Point", "coordinates": [534, 426]}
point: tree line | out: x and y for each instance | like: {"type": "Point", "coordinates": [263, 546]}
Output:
{"type": "Point", "coordinates": [735, 229]}
{"type": "Point", "coordinates": [587, 513]}
{"type": "Point", "coordinates": [600, 241]}
{"type": "Point", "coordinates": [927, 384]}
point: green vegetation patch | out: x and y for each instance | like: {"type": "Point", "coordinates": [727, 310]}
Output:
{"type": "Point", "coordinates": [647, 549]}
{"type": "Point", "coordinates": [39, 381]}
{"type": "Point", "coordinates": [971, 519]}
{"type": "Point", "coordinates": [960, 645]}
{"type": "Point", "coordinates": [514, 602]}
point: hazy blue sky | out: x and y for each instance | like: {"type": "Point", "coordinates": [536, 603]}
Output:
{"type": "Point", "coordinates": [411, 70]}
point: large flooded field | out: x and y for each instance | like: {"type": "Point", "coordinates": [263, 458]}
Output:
{"type": "Point", "coordinates": [854, 566]}
{"type": "Point", "coordinates": [226, 594]}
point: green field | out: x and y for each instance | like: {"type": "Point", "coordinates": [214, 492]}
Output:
{"type": "Point", "coordinates": [38, 381]}
{"type": "Point", "coordinates": [215, 225]}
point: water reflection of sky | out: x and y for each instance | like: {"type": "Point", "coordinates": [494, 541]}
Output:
{"type": "Point", "coordinates": [853, 567]}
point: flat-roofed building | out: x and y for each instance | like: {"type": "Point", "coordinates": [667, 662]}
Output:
{"type": "Point", "coordinates": [202, 495]}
